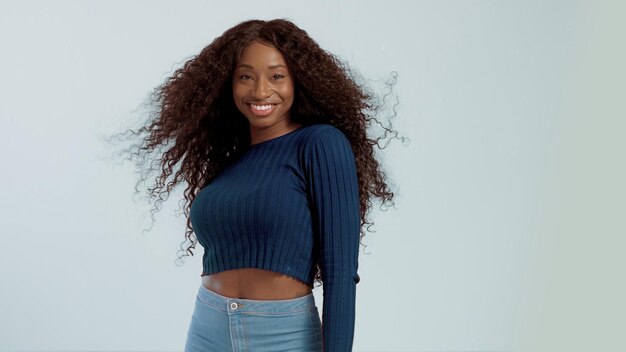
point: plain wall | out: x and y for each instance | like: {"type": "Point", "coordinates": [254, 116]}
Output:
{"type": "Point", "coordinates": [506, 233]}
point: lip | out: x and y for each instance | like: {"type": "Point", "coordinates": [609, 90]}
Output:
{"type": "Point", "coordinates": [261, 112]}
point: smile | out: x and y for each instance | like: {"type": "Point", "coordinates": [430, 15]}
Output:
{"type": "Point", "coordinates": [262, 110]}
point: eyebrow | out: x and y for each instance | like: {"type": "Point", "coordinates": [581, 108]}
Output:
{"type": "Point", "coordinates": [270, 67]}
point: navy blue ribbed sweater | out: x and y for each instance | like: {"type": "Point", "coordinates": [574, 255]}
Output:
{"type": "Point", "coordinates": [286, 204]}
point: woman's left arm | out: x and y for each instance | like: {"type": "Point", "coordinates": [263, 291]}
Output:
{"type": "Point", "coordinates": [333, 185]}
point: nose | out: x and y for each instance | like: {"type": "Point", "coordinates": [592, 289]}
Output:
{"type": "Point", "coordinates": [261, 89]}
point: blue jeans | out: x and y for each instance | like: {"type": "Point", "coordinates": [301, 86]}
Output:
{"type": "Point", "coordinates": [225, 324]}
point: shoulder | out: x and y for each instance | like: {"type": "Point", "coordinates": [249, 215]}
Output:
{"type": "Point", "coordinates": [320, 134]}
{"type": "Point", "coordinates": [325, 143]}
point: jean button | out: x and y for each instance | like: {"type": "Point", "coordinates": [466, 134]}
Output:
{"type": "Point", "coordinates": [233, 305]}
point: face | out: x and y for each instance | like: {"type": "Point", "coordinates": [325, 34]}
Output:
{"type": "Point", "coordinates": [263, 88]}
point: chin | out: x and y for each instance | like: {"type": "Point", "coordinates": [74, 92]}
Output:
{"type": "Point", "coordinates": [262, 121]}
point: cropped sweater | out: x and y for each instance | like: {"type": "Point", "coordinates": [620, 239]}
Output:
{"type": "Point", "coordinates": [285, 205]}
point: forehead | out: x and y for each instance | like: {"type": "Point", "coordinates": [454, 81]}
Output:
{"type": "Point", "coordinates": [260, 55]}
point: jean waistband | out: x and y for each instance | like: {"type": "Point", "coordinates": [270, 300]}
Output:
{"type": "Point", "coordinates": [242, 305]}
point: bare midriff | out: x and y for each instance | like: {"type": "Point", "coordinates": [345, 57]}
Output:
{"type": "Point", "coordinates": [259, 284]}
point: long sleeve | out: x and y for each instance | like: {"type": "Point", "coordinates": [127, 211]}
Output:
{"type": "Point", "coordinates": [333, 186]}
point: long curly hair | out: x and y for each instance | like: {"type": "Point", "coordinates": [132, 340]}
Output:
{"type": "Point", "coordinates": [197, 123]}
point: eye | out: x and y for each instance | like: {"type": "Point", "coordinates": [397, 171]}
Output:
{"type": "Point", "coordinates": [277, 76]}
{"type": "Point", "coordinates": [244, 77]}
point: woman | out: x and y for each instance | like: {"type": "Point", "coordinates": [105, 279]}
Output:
{"type": "Point", "coordinates": [270, 133]}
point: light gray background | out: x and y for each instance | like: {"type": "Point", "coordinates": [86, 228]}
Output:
{"type": "Point", "coordinates": [507, 232]}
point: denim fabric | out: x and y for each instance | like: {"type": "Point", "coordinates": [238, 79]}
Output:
{"type": "Point", "coordinates": [226, 324]}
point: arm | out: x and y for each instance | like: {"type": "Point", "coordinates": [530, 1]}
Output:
{"type": "Point", "coordinates": [333, 185]}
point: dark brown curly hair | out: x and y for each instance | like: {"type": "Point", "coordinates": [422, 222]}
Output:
{"type": "Point", "coordinates": [197, 123]}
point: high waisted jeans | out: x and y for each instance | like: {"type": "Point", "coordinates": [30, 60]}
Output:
{"type": "Point", "coordinates": [225, 324]}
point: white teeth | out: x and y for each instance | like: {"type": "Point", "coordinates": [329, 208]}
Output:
{"type": "Point", "coordinates": [261, 107]}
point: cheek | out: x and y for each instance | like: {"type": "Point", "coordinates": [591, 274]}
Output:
{"type": "Point", "coordinates": [288, 92]}
{"type": "Point", "coordinates": [238, 94]}
{"type": "Point", "coordinates": [236, 91]}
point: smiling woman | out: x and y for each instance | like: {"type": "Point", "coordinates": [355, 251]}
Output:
{"type": "Point", "coordinates": [263, 91]}
{"type": "Point", "coordinates": [270, 132]}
